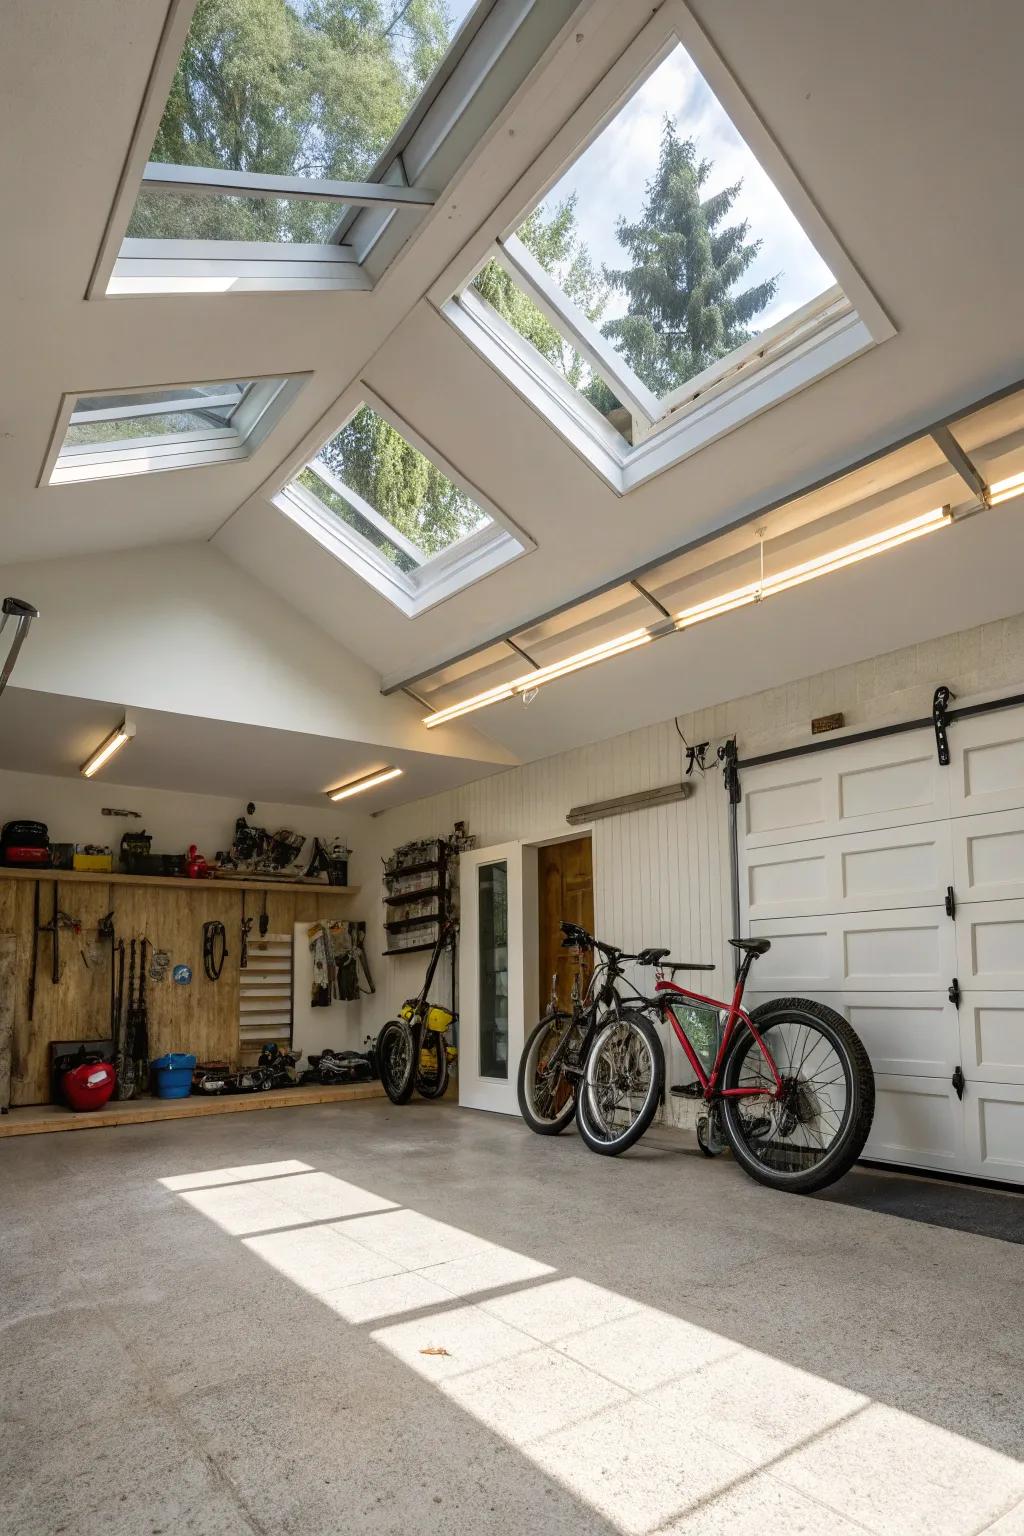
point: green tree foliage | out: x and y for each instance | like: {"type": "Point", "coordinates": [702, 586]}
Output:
{"type": "Point", "coordinates": [308, 88]}
{"type": "Point", "coordinates": [554, 239]}
{"type": "Point", "coordinates": [399, 483]}
{"type": "Point", "coordinates": [684, 309]}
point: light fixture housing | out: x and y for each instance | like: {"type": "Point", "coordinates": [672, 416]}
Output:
{"type": "Point", "coordinates": [106, 750]}
{"type": "Point", "coordinates": [368, 781]}
{"type": "Point", "coordinates": [1005, 490]}
{"type": "Point", "coordinates": [712, 608]}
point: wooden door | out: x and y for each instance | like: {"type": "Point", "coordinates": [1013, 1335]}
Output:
{"type": "Point", "coordinates": [565, 876]}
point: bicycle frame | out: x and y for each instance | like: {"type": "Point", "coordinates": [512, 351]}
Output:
{"type": "Point", "coordinates": [665, 989]}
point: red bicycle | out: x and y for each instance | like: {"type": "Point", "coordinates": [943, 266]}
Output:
{"type": "Point", "coordinates": [788, 1087]}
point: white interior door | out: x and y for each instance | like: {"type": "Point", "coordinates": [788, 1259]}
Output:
{"type": "Point", "coordinates": [497, 962]}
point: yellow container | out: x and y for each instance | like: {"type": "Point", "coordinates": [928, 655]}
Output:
{"type": "Point", "coordinates": [102, 863]}
{"type": "Point", "coordinates": [437, 1018]}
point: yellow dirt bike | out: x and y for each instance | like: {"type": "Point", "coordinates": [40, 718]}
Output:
{"type": "Point", "coordinates": [412, 1050]}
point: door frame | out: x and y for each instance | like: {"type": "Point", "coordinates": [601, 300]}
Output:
{"type": "Point", "coordinates": [499, 1095]}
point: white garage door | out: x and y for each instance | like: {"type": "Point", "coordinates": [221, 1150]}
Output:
{"type": "Point", "coordinates": [846, 858]}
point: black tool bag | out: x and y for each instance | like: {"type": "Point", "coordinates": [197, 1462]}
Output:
{"type": "Point", "coordinates": [24, 834]}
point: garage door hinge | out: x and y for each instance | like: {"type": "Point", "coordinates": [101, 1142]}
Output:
{"type": "Point", "coordinates": [950, 902]}
{"type": "Point", "coordinates": [959, 1081]}
{"type": "Point", "coordinates": [954, 992]}
{"type": "Point", "coordinates": [940, 719]}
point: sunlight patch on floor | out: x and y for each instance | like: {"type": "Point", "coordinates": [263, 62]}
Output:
{"type": "Point", "coordinates": [656, 1424]}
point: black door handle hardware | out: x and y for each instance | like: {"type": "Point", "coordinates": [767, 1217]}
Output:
{"type": "Point", "coordinates": [959, 1081]}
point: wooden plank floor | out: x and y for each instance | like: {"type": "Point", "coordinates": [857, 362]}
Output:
{"type": "Point", "coordinates": [54, 1117]}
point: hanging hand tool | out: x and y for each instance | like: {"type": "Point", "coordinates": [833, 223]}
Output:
{"type": "Point", "coordinates": [264, 918]}
{"type": "Point", "coordinates": [142, 1027]}
{"type": "Point", "coordinates": [125, 1061]}
{"type": "Point", "coordinates": [35, 954]}
{"type": "Point", "coordinates": [215, 949]}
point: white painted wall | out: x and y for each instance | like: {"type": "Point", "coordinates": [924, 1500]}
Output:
{"type": "Point", "coordinates": [72, 810]}
{"type": "Point", "coordinates": [662, 876]}
{"type": "Point", "coordinates": [181, 628]}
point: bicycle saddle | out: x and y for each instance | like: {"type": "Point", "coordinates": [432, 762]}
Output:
{"type": "Point", "coordinates": [752, 946]}
{"type": "Point", "coordinates": [651, 956]}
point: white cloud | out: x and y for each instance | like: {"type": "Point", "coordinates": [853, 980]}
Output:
{"type": "Point", "coordinates": [610, 181]}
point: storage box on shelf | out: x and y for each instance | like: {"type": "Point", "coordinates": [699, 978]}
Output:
{"type": "Point", "coordinates": [415, 885]}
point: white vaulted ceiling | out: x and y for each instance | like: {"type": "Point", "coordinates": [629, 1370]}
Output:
{"type": "Point", "coordinates": [903, 123]}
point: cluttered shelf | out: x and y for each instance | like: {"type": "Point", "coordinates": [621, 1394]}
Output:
{"type": "Point", "coordinates": [181, 882]}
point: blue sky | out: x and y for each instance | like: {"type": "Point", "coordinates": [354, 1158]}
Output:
{"type": "Point", "coordinates": [610, 180]}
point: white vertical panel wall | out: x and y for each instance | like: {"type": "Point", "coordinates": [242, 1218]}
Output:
{"type": "Point", "coordinates": [663, 876]}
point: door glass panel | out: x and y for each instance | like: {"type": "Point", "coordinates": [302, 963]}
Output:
{"type": "Point", "coordinates": [493, 899]}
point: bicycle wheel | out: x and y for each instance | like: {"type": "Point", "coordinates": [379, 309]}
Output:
{"type": "Point", "coordinates": [547, 1096]}
{"type": "Point", "coordinates": [815, 1132]}
{"type": "Point", "coordinates": [622, 1084]}
{"type": "Point", "coordinates": [432, 1072]}
{"type": "Point", "coordinates": [396, 1060]}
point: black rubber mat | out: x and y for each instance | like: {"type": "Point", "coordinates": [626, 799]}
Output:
{"type": "Point", "coordinates": [939, 1202]}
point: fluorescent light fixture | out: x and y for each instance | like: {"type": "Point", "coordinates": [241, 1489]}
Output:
{"type": "Point", "coordinates": [114, 742]}
{"type": "Point", "coordinates": [1005, 490]}
{"type": "Point", "coordinates": [541, 675]}
{"type": "Point", "coordinates": [850, 554]}
{"type": "Point", "coordinates": [726, 602]}
{"type": "Point", "coordinates": [368, 781]}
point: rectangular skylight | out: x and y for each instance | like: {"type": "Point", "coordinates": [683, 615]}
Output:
{"type": "Point", "coordinates": [377, 499]}
{"type": "Point", "coordinates": [134, 432]}
{"type": "Point", "coordinates": [661, 268]}
{"type": "Point", "coordinates": [295, 144]}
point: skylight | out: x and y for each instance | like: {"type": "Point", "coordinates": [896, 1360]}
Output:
{"type": "Point", "coordinates": [662, 267]}
{"type": "Point", "coordinates": [286, 140]}
{"type": "Point", "coordinates": [144, 431]}
{"type": "Point", "coordinates": [377, 499]}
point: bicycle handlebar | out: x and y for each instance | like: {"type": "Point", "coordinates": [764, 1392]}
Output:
{"type": "Point", "coordinates": [575, 937]}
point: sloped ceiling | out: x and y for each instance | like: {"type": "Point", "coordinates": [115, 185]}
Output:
{"type": "Point", "coordinates": [868, 104]}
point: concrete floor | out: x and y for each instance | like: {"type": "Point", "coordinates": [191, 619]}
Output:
{"type": "Point", "coordinates": [359, 1319]}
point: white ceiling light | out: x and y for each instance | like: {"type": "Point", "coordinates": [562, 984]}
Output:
{"type": "Point", "coordinates": [368, 781]}
{"type": "Point", "coordinates": [822, 565]}
{"type": "Point", "coordinates": [114, 742]}
{"type": "Point", "coordinates": [1005, 490]}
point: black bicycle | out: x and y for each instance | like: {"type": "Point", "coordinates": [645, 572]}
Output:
{"type": "Point", "coordinates": [555, 1054]}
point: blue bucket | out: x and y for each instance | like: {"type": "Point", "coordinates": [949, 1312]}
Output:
{"type": "Point", "coordinates": [174, 1075]}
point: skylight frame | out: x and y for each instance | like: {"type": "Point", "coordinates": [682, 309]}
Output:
{"type": "Point", "coordinates": [438, 577]}
{"type": "Point", "coordinates": [829, 330]}
{"type": "Point", "coordinates": [376, 217]}
{"type": "Point", "coordinates": [262, 405]}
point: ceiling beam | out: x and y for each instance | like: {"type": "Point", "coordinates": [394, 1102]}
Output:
{"type": "Point", "coordinates": [961, 462]}
{"type": "Point", "coordinates": [627, 578]}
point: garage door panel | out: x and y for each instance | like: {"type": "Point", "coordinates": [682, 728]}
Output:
{"type": "Point", "coordinates": [911, 1034]}
{"type": "Point", "coordinates": [992, 1036]}
{"type": "Point", "coordinates": [990, 945]}
{"type": "Point", "coordinates": [918, 1121]}
{"type": "Point", "coordinates": [911, 950]}
{"type": "Point", "coordinates": [855, 872]}
{"type": "Point", "coordinates": [988, 856]}
{"type": "Point", "coordinates": [987, 764]}
{"type": "Point", "coordinates": [872, 785]}
{"type": "Point", "coordinates": [994, 1130]}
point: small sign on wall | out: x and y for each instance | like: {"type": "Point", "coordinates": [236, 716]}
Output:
{"type": "Point", "coordinates": [822, 723]}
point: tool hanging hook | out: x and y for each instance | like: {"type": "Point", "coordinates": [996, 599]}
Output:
{"type": "Point", "coordinates": [22, 613]}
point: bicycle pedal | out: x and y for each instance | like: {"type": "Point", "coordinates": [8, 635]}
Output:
{"type": "Point", "coordinates": [687, 1090]}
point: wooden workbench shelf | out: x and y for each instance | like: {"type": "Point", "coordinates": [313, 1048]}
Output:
{"type": "Point", "coordinates": [180, 882]}
{"type": "Point", "coordinates": [54, 1117]}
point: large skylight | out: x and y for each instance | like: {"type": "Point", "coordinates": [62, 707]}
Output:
{"type": "Point", "coordinates": [290, 140]}
{"type": "Point", "coordinates": [660, 267]}
{"type": "Point", "coordinates": [143, 431]}
{"type": "Point", "coordinates": [375, 498]}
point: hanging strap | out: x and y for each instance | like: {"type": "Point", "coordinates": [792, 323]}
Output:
{"type": "Point", "coordinates": [215, 949]}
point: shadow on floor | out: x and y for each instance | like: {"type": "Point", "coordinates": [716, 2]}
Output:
{"type": "Point", "coordinates": [959, 1207]}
